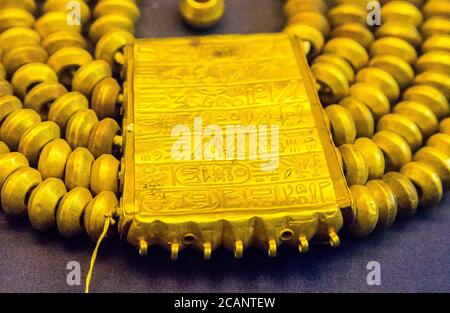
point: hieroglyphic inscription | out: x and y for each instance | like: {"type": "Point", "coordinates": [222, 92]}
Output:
{"type": "Point", "coordinates": [225, 81]}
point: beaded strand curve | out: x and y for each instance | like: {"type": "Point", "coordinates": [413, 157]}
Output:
{"type": "Point", "coordinates": [49, 111]}
{"type": "Point", "coordinates": [362, 73]}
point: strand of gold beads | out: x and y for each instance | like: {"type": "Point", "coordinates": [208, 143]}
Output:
{"type": "Point", "coordinates": [83, 128]}
{"type": "Point", "coordinates": [44, 90]}
{"type": "Point", "coordinates": [367, 103]}
{"type": "Point", "coordinates": [359, 106]}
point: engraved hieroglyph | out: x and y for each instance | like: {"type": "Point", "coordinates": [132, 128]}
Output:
{"type": "Point", "coordinates": [226, 80]}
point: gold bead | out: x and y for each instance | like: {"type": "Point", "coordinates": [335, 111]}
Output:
{"type": "Point", "coordinates": [439, 8]}
{"type": "Point", "coordinates": [401, 11]}
{"type": "Point", "coordinates": [207, 249]}
{"type": "Point", "coordinates": [70, 212]}
{"type": "Point", "coordinates": [347, 13]}
{"type": "Point", "coordinates": [62, 6]}
{"type": "Point", "coordinates": [380, 79]}
{"type": "Point", "coordinates": [78, 168]}
{"type": "Point", "coordinates": [343, 127]}
{"type": "Point", "coordinates": [105, 98]}
{"type": "Point", "coordinates": [66, 61]}
{"type": "Point", "coordinates": [111, 43]}
{"type": "Point", "coordinates": [43, 202]}
{"type": "Point", "coordinates": [14, 17]}
{"type": "Point", "coordinates": [9, 163]}
{"type": "Point", "coordinates": [16, 189]}
{"type": "Point", "coordinates": [30, 75]}
{"type": "Point", "coordinates": [333, 82]}
{"type": "Point", "coordinates": [28, 5]}
{"type": "Point", "coordinates": [102, 136]}
{"type": "Point", "coordinates": [67, 105]}
{"type": "Point", "coordinates": [97, 211]}
{"type": "Point", "coordinates": [52, 161]}
{"type": "Point", "coordinates": [35, 138]}
{"type": "Point", "coordinates": [435, 26]}
{"type": "Point", "coordinates": [350, 50]}
{"type": "Point", "coordinates": [105, 174]}
{"type": "Point", "coordinates": [441, 142]}
{"type": "Point", "coordinates": [444, 126]}
{"type": "Point", "coordinates": [402, 126]}
{"type": "Point", "coordinates": [402, 72]}
{"type": "Point", "coordinates": [366, 211]}
{"type": "Point", "coordinates": [307, 34]}
{"type": "Point", "coordinates": [395, 47]}
{"type": "Point", "coordinates": [434, 61]}
{"type": "Point", "coordinates": [429, 96]}
{"type": "Point", "coordinates": [103, 24]}
{"type": "Point", "coordinates": [372, 97]}
{"type": "Point", "coordinates": [3, 148]}
{"type": "Point", "coordinates": [355, 31]}
{"type": "Point", "coordinates": [42, 96]}
{"type": "Point", "coordinates": [373, 157]}
{"type": "Point", "coordinates": [426, 181]}
{"type": "Point", "coordinates": [405, 193]}
{"type": "Point", "coordinates": [63, 38]}
{"type": "Point", "coordinates": [55, 21]}
{"type": "Point", "coordinates": [16, 124]}
{"type": "Point", "coordinates": [79, 128]}
{"type": "Point", "coordinates": [386, 202]}
{"type": "Point", "coordinates": [440, 42]}
{"type": "Point", "coordinates": [5, 88]}
{"type": "Point", "coordinates": [355, 168]}
{"type": "Point", "coordinates": [395, 149]}
{"type": "Point", "coordinates": [18, 36]}
{"type": "Point", "coordinates": [361, 115]}
{"type": "Point", "coordinates": [339, 62]}
{"type": "Point", "coordinates": [435, 79]}
{"type": "Point", "coordinates": [292, 7]}
{"type": "Point", "coordinates": [118, 7]}
{"type": "Point", "coordinates": [239, 247]}
{"type": "Point", "coordinates": [8, 104]}
{"type": "Point", "coordinates": [201, 14]}
{"type": "Point", "coordinates": [417, 3]}
{"type": "Point", "coordinates": [272, 248]}
{"type": "Point", "coordinates": [407, 32]}
{"type": "Point", "coordinates": [89, 75]}
{"type": "Point", "coordinates": [311, 18]}
{"type": "Point", "coordinates": [18, 56]}
{"type": "Point", "coordinates": [419, 114]}
{"type": "Point", "coordinates": [438, 160]}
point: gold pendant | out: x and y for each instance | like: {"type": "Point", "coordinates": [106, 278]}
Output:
{"type": "Point", "coordinates": [206, 87]}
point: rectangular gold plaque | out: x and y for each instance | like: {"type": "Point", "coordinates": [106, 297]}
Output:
{"type": "Point", "coordinates": [229, 80]}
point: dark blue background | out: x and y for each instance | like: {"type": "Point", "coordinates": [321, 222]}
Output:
{"type": "Point", "coordinates": [414, 255]}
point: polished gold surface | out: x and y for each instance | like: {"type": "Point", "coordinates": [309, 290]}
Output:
{"type": "Point", "coordinates": [206, 204]}
{"type": "Point", "coordinates": [384, 90]}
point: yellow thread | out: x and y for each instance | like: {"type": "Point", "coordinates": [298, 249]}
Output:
{"type": "Point", "coordinates": [94, 254]}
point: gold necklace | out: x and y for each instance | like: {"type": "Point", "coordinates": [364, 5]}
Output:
{"type": "Point", "coordinates": [384, 90]}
